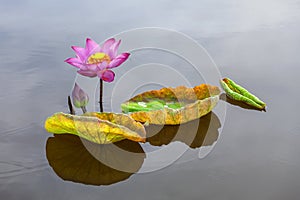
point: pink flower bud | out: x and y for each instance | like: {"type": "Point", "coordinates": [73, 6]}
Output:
{"type": "Point", "coordinates": [79, 97]}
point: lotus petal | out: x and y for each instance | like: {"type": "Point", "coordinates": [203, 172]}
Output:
{"type": "Point", "coordinates": [101, 128]}
{"type": "Point", "coordinates": [172, 105]}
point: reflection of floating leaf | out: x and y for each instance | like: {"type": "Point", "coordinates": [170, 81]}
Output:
{"type": "Point", "coordinates": [178, 105]}
{"type": "Point", "coordinates": [238, 93]}
{"type": "Point", "coordinates": [71, 160]}
{"type": "Point", "coordinates": [196, 133]}
{"type": "Point", "coordinates": [101, 128]}
{"type": "Point", "coordinates": [241, 104]}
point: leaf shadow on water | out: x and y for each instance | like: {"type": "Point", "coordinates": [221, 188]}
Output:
{"type": "Point", "coordinates": [70, 158]}
{"type": "Point", "coordinates": [196, 133]}
{"type": "Point", "coordinates": [225, 98]}
{"type": "Point", "coordinates": [78, 160]}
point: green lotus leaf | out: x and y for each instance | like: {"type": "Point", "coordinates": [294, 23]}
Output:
{"type": "Point", "coordinates": [101, 128]}
{"type": "Point", "coordinates": [238, 93]}
{"type": "Point", "coordinates": [172, 105]}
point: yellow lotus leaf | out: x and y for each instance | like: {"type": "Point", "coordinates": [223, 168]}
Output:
{"type": "Point", "coordinates": [172, 105]}
{"type": "Point", "coordinates": [101, 128]}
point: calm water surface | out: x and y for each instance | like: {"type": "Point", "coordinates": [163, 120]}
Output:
{"type": "Point", "coordinates": [250, 155]}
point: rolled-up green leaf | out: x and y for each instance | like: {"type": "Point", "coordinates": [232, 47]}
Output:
{"type": "Point", "coordinates": [238, 93]}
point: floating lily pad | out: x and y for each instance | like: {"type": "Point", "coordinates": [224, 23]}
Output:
{"type": "Point", "coordinates": [172, 105]}
{"type": "Point", "coordinates": [101, 128]}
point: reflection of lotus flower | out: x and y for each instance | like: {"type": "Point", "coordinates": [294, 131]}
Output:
{"type": "Point", "coordinates": [80, 98]}
{"type": "Point", "coordinates": [94, 60]}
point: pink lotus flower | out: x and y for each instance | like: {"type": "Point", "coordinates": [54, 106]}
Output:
{"type": "Point", "coordinates": [94, 60]}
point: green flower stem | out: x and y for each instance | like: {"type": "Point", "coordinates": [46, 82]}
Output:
{"type": "Point", "coordinates": [83, 108]}
{"type": "Point", "coordinates": [71, 109]}
{"type": "Point", "coordinates": [101, 96]}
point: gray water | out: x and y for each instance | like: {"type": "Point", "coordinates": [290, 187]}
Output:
{"type": "Point", "coordinates": [252, 155]}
